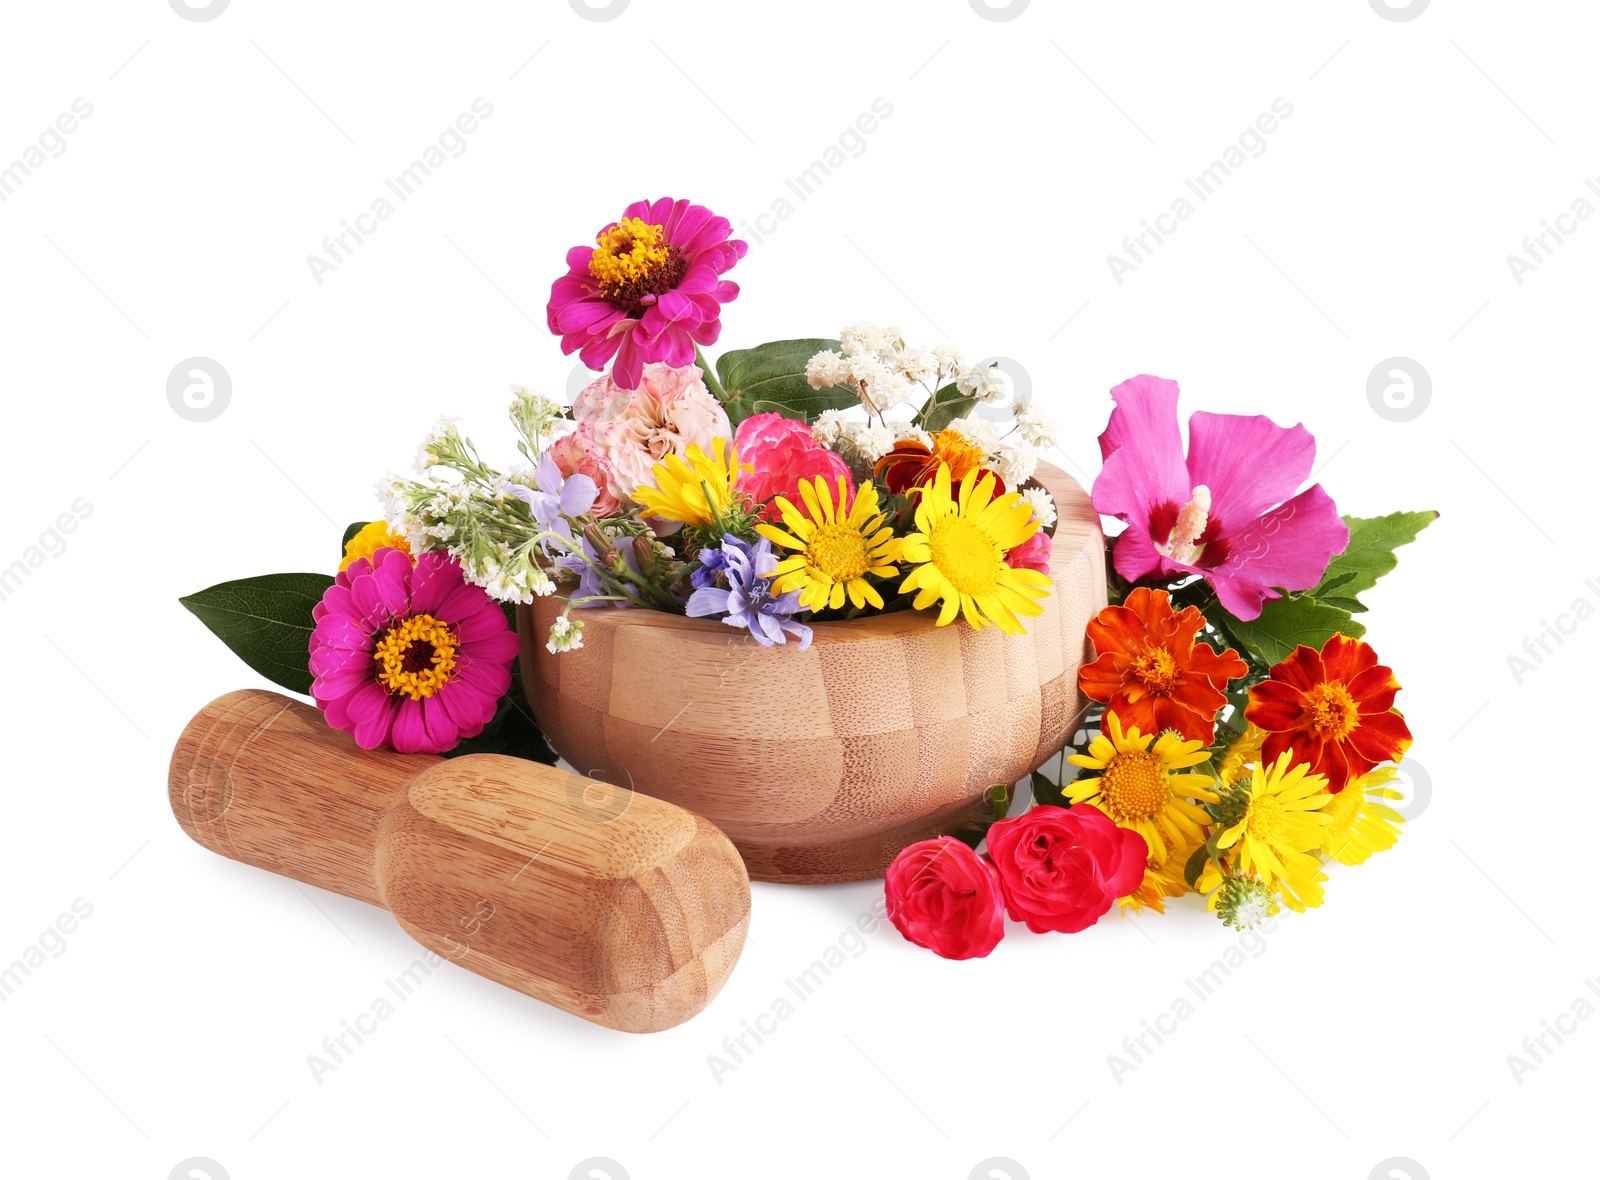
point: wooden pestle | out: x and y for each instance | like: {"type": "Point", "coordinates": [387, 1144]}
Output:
{"type": "Point", "coordinates": [614, 906]}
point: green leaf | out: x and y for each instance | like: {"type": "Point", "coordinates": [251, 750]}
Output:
{"type": "Point", "coordinates": [266, 622]}
{"type": "Point", "coordinates": [1370, 554]}
{"type": "Point", "coordinates": [350, 531]}
{"type": "Point", "coordinates": [1045, 791]}
{"type": "Point", "coordinates": [1195, 865]}
{"type": "Point", "coordinates": [1286, 622]}
{"type": "Point", "coordinates": [771, 378]}
{"type": "Point", "coordinates": [947, 404]}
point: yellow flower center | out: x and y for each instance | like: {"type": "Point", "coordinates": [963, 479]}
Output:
{"type": "Point", "coordinates": [965, 554]}
{"type": "Point", "coordinates": [633, 263]}
{"type": "Point", "coordinates": [1265, 819]}
{"type": "Point", "coordinates": [1133, 786]}
{"type": "Point", "coordinates": [1157, 670]}
{"type": "Point", "coordinates": [839, 552]}
{"type": "Point", "coordinates": [1333, 710]}
{"type": "Point", "coordinates": [416, 657]}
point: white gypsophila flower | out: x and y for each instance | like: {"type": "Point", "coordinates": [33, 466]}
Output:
{"type": "Point", "coordinates": [979, 430]}
{"type": "Point", "coordinates": [988, 384]}
{"type": "Point", "coordinates": [1015, 463]}
{"type": "Point", "coordinates": [859, 338]}
{"type": "Point", "coordinates": [826, 368]}
{"type": "Point", "coordinates": [566, 634]}
{"type": "Point", "coordinates": [917, 364]}
{"type": "Point", "coordinates": [873, 441]}
{"type": "Point", "coordinates": [950, 360]}
{"type": "Point", "coordinates": [1036, 426]}
{"type": "Point", "coordinates": [1043, 505]}
{"type": "Point", "coordinates": [906, 432]}
{"type": "Point", "coordinates": [893, 339]}
{"type": "Point", "coordinates": [828, 426]}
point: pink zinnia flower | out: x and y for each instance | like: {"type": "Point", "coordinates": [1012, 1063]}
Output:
{"type": "Point", "coordinates": [1228, 511]}
{"type": "Point", "coordinates": [648, 290]}
{"type": "Point", "coordinates": [413, 657]}
{"type": "Point", "coordinates": [783, 452]}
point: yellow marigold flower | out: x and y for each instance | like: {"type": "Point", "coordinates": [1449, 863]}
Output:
{"type": "Point", "coordinates": [959, 553]}
{"type": "Point", "coordinates": [1358, 824]}
{"type": "Point", "coordinates": [696, 488]}
{"type": "Point", "coordinates": [836, 550]}
{"type": "Point", "coordinates": [368, 540]}
{"type": "Point", "coordinates": [1279, 823]}
{"type": "Point", "coordinates": [1137, 788]}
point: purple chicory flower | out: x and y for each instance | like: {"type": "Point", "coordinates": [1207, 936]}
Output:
{"type": "Point", "coordinates": [586, 563]}
{"type": "Point", "coordinates": [748, 600]}
{"type": "Point", "coordinates": [555, 497]}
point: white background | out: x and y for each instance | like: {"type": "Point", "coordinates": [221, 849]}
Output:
{"type": "Point", "coordinates": [1019, 154]}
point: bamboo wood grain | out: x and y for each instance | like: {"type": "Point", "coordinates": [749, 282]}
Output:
{"type": "Point", "coordinates": [821, 765]}
{"type": "Point", "coordinates": [622, 909]}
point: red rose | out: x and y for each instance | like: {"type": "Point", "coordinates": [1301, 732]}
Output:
{"type": "Point", "coordinates": [1061, 868]}
{"type": "Point", "coordinates": [944, 896]}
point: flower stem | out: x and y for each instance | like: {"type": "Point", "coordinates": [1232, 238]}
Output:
{"type": "Point", "coordinates": [710, 375]}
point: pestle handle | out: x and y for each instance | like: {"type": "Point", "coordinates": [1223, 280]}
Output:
{"type": "Point", "coordinates": [630, 914]}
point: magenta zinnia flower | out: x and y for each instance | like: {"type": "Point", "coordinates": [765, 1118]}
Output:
{"type": "Point", "coordinates": [1228, 512]}
{"type": "Point", "coordinates": [413, 657]}
{"type": "Point", "coordinates": [648, 290]}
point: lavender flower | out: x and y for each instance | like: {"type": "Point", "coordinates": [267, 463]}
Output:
{"type": "Point", "coordinates": [748, 601]}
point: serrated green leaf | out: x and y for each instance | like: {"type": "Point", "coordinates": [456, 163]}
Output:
{"type": "Point", "coordinates": [773, 375]}
{"type": "Point", "coordinates": [1370, 553]}
{"type": "Point", "coordinates": [1289, 621]}
{"type": "Point", "coordinates": [266, 622]}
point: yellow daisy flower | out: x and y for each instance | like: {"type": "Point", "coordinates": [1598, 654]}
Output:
{"type": "Point", "coordinates": [368, 540]}
{"type": "Point", "coordinates": [959, 552]}
{"type": "Point", "coordinates": [1162, 879]}
{"type": "Point", "coordinates": [695, 488]}
{"type": "Point", "coordinates": [1137, 788]}
{"type": "Point", "coordinates": [1359, 825]}
{"type": "Point", "coordinates": [1279, 824]}
{"type": "Point", "coordinates": [835, 550]}
{"type": "Point", "coordinates": [1243, 752]}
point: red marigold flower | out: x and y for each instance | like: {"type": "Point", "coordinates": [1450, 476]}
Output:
{"type": "Point", "coordinates": [1334, 709]}
{"type": "Point", "coordinates": [1153, 672]}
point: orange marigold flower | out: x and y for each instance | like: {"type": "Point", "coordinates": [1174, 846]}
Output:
{"type": "Point", "coordinates": [1334, 709]}
{"type": "Point", "coordinates": [1151, 670]}
{"type": "Point", "coordinates": [911, 464]}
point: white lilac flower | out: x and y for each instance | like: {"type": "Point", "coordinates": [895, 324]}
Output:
{"type": "Point", "coordinates": [1015, 463]}
{"type": "Point", "coordinates": [1043, 505]}
{"type": "Point", "coordinates": [566, 634]}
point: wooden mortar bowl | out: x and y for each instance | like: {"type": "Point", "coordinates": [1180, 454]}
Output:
{"type": "Point", "coordinates": [822, 765]}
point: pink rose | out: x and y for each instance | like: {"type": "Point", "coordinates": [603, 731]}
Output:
{"type": "Point", "coordinates": [944, 896]}
{"type": "Point", "coordinates": [1032, 554]}
{"type": "Point", "coordinates": [783, 453]}
{"type": "Point", "coordinates": [1062, 868]}
{"type": "Point", "coordinates": [623, 433]}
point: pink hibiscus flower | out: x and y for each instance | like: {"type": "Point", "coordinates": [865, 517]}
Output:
{"type": "Point", "coordinates": [650, 289]}
{"type": "Point", "coordinates": [407, 656]}
{"type": "Point", "coordinates": [1228, 511]}
{"type": "Point", "coordinates": [783, 452]}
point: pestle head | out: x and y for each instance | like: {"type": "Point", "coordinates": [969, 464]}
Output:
{"type": "Point", "coordinates": [622, 909]}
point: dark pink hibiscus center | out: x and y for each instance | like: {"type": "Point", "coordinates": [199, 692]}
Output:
{"type": "Point", "coordinates": [1213, 547]}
